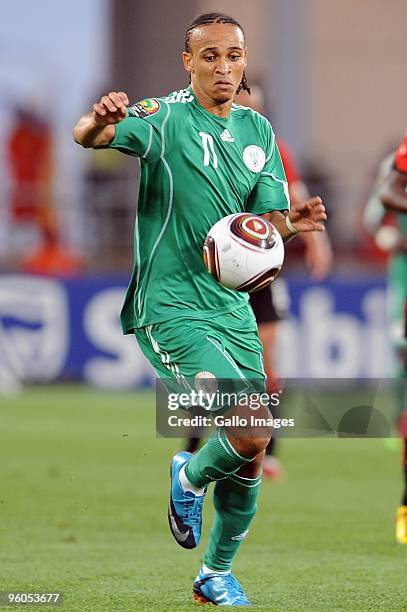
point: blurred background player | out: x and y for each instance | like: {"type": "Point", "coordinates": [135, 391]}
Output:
{"type": "Point", "coordinates": [271, 304]}
{"type": "Point", "coordinates": [393, 194]}
{"type": "Point", "coordinates": [36, 223]}
{"type": "Point", "coordinates": [388, 225]}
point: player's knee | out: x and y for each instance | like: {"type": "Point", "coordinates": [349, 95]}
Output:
{"type": "Point", "coordinates": [251, 447]}
{"type": "Point", "coordinates": [252, 469]}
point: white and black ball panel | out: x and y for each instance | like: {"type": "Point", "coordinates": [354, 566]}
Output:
{"type": "Point", "coordinates": [244, 252]}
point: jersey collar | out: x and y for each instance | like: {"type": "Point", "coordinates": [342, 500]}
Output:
{"type": "Point", "coordinates": [222, 120]}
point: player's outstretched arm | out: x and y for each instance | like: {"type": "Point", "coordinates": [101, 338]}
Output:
{"type": "Point", "coordinates": [308, 216]}
{"type": "Point", "coordinates": [98, 127]}
{"type": "Point", "coordinates": [393, 192]}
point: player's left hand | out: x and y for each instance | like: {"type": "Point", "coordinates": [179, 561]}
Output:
{"type": "Point", "coordinates": [309, 216]}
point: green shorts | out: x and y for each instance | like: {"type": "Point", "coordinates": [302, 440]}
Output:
{"type": "Point", "coordinates": [226, 348]}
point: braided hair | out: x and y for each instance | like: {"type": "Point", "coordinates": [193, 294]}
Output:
{"type": "Point", "coordinates": [207, 19]}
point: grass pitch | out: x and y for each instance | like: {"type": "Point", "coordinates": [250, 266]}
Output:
{"type": "Point", "coordinates": [83, 495]}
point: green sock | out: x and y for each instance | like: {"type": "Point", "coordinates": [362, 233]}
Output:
{"type": "Point", "coordinates": [217, 459]}
{"type": "Point", "coordinates": [235, 503]}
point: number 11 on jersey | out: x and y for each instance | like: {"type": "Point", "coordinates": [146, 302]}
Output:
{"type": "Point", "coordinates": [207, 143]}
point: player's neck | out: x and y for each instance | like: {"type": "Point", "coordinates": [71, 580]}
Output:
{"type": "Point", "coordinates": [220, 110]}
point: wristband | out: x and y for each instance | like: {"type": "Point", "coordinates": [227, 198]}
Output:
{"type": "Point", "coordinates": [290, 226]}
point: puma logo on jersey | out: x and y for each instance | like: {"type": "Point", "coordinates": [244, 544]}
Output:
{"type": "Point", "coordinates": [226, 136]}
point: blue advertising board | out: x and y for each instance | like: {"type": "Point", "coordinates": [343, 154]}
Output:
{"type": "Point", "coordinates": [53, 329]}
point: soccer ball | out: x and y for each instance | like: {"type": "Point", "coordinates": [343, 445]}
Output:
{"type": "Point", "coordinates": [243, 252]}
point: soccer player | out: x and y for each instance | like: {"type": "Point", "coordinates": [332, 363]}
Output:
{"type": "Point", "coordinates": [202, 158]}
{"type": "Point", "coordinates": [393, 194]}
{"type": "Point", "coordinates": [271, 304]}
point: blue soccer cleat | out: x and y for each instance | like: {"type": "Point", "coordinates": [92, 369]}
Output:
{"type": "Point", "coordinates": [220, 590]}
{"type": "Point", "coordinates": [185, 508]}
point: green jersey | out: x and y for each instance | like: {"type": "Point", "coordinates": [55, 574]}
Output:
{"type": "Point", "coordinates": [195, 169]}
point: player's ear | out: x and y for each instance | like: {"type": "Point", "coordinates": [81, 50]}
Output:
{"type": "Point", "coordinates": [187, 59]}
{"type": "Point", "coordinates": [245, 56]}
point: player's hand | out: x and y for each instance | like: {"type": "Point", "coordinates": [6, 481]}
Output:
{"type": "Point", "coordinates": [309, 216]}
{"type": "Point", "coordinates": [111, 108]}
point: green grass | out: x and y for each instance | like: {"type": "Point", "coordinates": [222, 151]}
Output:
{"type": "Point", "coordinates": [83, 494]}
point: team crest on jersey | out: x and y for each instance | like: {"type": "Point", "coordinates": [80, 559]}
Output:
{"type": "Point", "coordinates": [145, 108]}
{"type": "Point", "coordinates": [254, 158]}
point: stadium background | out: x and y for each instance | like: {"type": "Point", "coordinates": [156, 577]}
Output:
{"type": "Point", "coordinates": [334, 77]}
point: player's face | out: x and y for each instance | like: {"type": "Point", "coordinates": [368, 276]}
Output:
{"type": "Point", "coordinates": [216, 62]}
